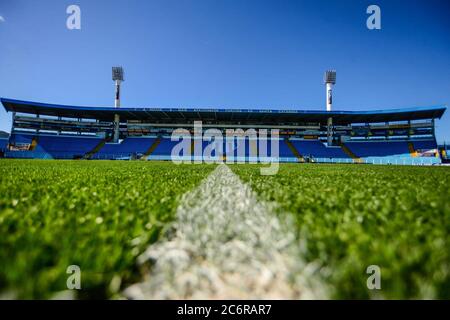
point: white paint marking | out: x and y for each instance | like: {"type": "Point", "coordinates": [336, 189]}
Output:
{"type": "Point", "coordinates": [227, 245]}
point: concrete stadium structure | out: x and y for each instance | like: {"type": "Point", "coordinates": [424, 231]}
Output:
{"type": "Point", "coordinates": [49, 131]}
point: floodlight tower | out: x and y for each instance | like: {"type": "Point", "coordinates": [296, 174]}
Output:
{"type": "Point", "coordinates": [117, 76]}
{"type": "Point", "coordinates": [330, 80]}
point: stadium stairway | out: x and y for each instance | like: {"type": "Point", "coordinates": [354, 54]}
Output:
{"type": "Point", "coordinates": [412, 151]}
{"type": "Point", "coordinates": [349, 152]}
{"type": "Point", "coordinates": [96, 149]}
{"type": "Point", "coordinates": [443, 152]}
{"type": "Point", "coordinates": [3, 146]}
{"type": "Point", "coordinates": [152, 148]}
{"type": "Point", "coordinates": [33, 144]}
{"type": "Point", "coordinates": [294, 150]}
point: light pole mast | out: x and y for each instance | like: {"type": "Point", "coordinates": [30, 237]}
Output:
{"type": "Point", "coordinates": [330, 81]}
{"type": "Point", "coordinates": [117, 76]}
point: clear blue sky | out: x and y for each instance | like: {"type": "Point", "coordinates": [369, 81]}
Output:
{"type": "Point", "coordinates": [227, 53]}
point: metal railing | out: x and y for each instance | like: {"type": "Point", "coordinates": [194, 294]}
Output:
{"type": "Point", "coordinates": [132, 156]}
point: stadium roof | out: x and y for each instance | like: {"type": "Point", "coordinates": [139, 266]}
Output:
{"type": "Point", "coordinates": [240, 116]}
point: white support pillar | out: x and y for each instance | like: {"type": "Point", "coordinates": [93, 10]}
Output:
{"type": "Point", "coordinates": [117, 99]}
{"type": "Point", "coordinates": [330, 80]}
{"type": "Point", "coordinates": [117, 76]}
{"type": "Point", "coordinates": [329, 87]}
{"type": "Point", "coordinates": [330, 131]}
{"type": "Point", "coordinates": [116, 116]}
{"type": "Point", "coordinates": [116, 127]}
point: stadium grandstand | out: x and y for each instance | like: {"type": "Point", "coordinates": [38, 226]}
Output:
{"type": "Point", "coordinates": [4, 140]}
{"type": "Point", "coordinates": [49, 131]}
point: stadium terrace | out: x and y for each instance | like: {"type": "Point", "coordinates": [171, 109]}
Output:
{"type": "Point", "coordinates": [50, 131]}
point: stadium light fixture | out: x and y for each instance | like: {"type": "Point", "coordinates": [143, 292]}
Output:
{"type": "Point", "coordinates": [117, 73]}
{"type": "Point", "coordinates": [117, 76]}
{"type": "Point", "coordinates": [330, 76]}
{"type": "Point", "coordinates": [330, 79]}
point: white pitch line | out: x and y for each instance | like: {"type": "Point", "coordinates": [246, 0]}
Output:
{"type": "Point", "coordinates": [226, 244]}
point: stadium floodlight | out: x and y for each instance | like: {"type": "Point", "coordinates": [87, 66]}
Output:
{"type": "Point", "coordinates": [330, 76]}
{"type": "Point", "coordinates": [330, 80]}
{"type": "Point", "coordinates": [117, 76]}
{"type": "Point", "coordinates": [117, 73]}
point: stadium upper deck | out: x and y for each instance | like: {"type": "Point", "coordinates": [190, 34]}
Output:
{"type": "Point", "coordinates": [49, 131]}
{"type": "Point", "coordinates": [221, 116]}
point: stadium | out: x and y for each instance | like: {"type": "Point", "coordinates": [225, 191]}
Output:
{"type": "Point", "coordinates": [398, 136]}
{"type": "Point", "coordinates": [254, 151]}
{"type": "Point", "coordinates": [314, 230]}
{"type": "Point", "coordinates": [391, 136]}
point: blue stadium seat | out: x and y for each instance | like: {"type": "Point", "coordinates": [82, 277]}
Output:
{"type": "Point", "coordinates": [53, 146]}
{"type": "Point", "coordinates": [66, 147]}
{"type": "Point", "coordinates": [284, 150]}
{"type": "Point", "coordinates": [3, 144]}
{"type": "Point", "coordinates": [126, 149]}
{"type": "Point", "coordinates": [18, 138]}
{"type": "Point", "coordinates": [379, 148]}
{"type": "Point", "coordinates": [165, 147]}
{"type": "Point", "coordinates": [253, 149]}
{"type": "Point", "coordinates": [316, 149]}
{"type": "Point", "coordinates": [393, 152]}
{"type": "Point", "coordinates": [425, 144]}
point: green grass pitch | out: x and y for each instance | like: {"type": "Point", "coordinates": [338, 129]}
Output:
{"type": "Point", "coordinates": [353, 216]}
{"type": "Point", "coordinates": [101, 215]}
{"type": "Point", "coordinates": [96, 214]}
